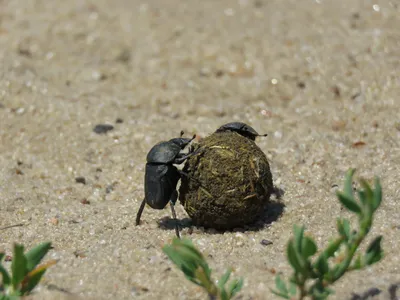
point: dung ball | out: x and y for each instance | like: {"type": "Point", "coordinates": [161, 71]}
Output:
{"type": "Point", "coordinates": [228, 181]}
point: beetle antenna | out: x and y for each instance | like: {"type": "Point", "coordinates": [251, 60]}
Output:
{"type": "Point", "coordinates": [263, 134]}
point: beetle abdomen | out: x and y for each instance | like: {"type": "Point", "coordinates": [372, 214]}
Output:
{"type": "Point", "coordinates": [159, 183]}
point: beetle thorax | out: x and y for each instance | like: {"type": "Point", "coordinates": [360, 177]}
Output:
{"type": "Point", "coordinates": [163, 153]}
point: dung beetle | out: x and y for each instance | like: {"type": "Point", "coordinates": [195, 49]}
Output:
{"type": "Point", "coordinates": [241, 128]}
{"type": "Point", "coordinates": [161, 176]}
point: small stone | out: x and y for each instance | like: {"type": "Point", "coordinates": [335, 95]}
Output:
{"type": "Point", "coordinates": [358, 144]}
{"type": "Point", "coordinates": [102, 128]}
{"type": "Point", "coordinates": [205, 72]}
{"type": "Point", "coordinates": [336, 91]}
{"type": "Point", "coordinates": [98, 76]}
{"type": "Point", "coordinates": [338, 125]}
{"type": "Point", "coordinates": [79, 254]}
{"type": "Point", "coordinates": [85, 201]}
{"type": "Point", "coordinates": [124, 56]}
{"type": "Point", "coordinates": [301, 85]}
{"type": "Point", "coordinates": [266, 242]}
{"type": "Point", "coordinates": [80, 179]}
{"type": "Point", "coordinates": [53, 221]}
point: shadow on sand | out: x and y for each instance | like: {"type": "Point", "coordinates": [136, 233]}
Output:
{"type": "Point", "coordinates": [272, 211]}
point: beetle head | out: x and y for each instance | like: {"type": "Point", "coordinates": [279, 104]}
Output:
{"type": "Point", "coordinates": [182, 142]}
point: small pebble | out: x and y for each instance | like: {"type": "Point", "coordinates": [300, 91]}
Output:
{"type": "Point", "coordinates": [334, 187]}
{"type": "Point", "coordinates": [124, 56]}
{"type": "Point", "coordinates": [53, 221]}
{"type": "Point", "coordinates": [102, 128]}
{"type": "Point", "coordinates": [266, 242]}
{"type": "Point", "coordinates": [85, 201]}
{"type": "Point", "coordinates": [366, 295]}
{"type": "Point", "coordinates": [79, 254]}
{"type": "Point", "coordinates": [80, 179]}
{"type": "Point", "coordinates": [301, 85]}
{"type": "Point", "coordinates": [336, 91]}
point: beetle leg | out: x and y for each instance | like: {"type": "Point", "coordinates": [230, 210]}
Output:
{"type": "Point", "coordinates": [140, 211]}
{"type": "Point", "coordinates": [172, 201]}
{"type": "Point", "coordinates": [182, 173]}
{"type": "Point", "coordinates": [181, 157]}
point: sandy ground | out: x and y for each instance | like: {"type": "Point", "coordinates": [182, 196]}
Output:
{"type": "Point", "coordinates": [321, 77]}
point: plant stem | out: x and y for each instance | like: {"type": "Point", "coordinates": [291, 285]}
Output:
{"type": "Point", "coordinates": [343, 267]}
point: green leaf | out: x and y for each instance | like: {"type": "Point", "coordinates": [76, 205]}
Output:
{"type": "Point", "coordinates": [369, 194]}
{"type": "Point", "coordinates": [35, 255]}
{"type": "Point", "coordinates": [6, 277]}
{"type": "Point", "coordinates": [235, 286]}
{"type": "Point", "coordinates": [344, 228]}
{"type": "Point", "coordinates": [377, 194]}
{"type": "Point", "coordinates": [332, 247]}
{"type": "Point", "coordinates": [9, 297]}
{"type": "Point", "coordinates": [281, 285]}
{"type": "Point", "coordinates": [363, 197]}
{"type": "Point", "coordinates": [203, 280]}
{"type": "Point", "coordinates": [284, 296]}
{"type": "Point", "coordinates": [298, 237]}
{"type": "Point", "coordinates": [357, 263]}
{"type": "Point", "coordinates": [192, 263]}
{"type": "Point", "coordinates": [18, 266]}
{"type": "Point", "coordinates": [224, 278]}
{"type": "Point", "coordinates": [187, 246]}
{"type": "Point", "coordinates": [223, 294]}
{"type": "Point", "coordinates": [348, 202]}
{"type": "Point", "coordinates": [320, 293]}
{"type": "Point", "coordinates": [322, 265]}
{"type": "Point", "coordinates": [32, 282]}
{"type": "Point", "coordinates": [186, 257]}
{"type": "Point", "coordinates": [292, 289]}
{"type": "Point", "coordinates": [309, 247]}
{"type": "Point", "coordinates": [175, 256]}
{"type": "Point", "coordinates": [187, 267]}
{"type": "Point", "coordinates": [374, 251]}
{"type": "Point", "coordinates": [348, 184]}
{"type": "Point", "coordinates": [293, 258]}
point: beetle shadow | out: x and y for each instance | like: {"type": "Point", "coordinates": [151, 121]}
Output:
{"type": "Point", "coordinates": [271, 213]}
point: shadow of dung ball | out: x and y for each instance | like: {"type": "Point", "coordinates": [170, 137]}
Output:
{"type": "Point", "coordinates": [229, 182]}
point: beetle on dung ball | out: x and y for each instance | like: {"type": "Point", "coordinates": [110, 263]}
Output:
{"type": "Point", "coordinates": [224, 187]}
{"type": "Point", "coordinates": [161, 176]}
{"type": "Point", "coordinates": [241, 128]}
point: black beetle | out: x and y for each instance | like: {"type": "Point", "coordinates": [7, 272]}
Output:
{"type": "Point", "coordinates": [161, 176]}
{"type": "Point", "coordinates": [241, 128]}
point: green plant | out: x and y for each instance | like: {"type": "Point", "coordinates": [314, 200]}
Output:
{"type": "Point", "coordinates": [192, 263]}
{"type": "Point", "coordinates": [312, 277]}
{"type": "Point", "coordinates": [25, 272]}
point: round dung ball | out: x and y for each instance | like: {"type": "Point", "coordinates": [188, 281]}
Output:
{"type": "Point", "coordinates": [227, 183]}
